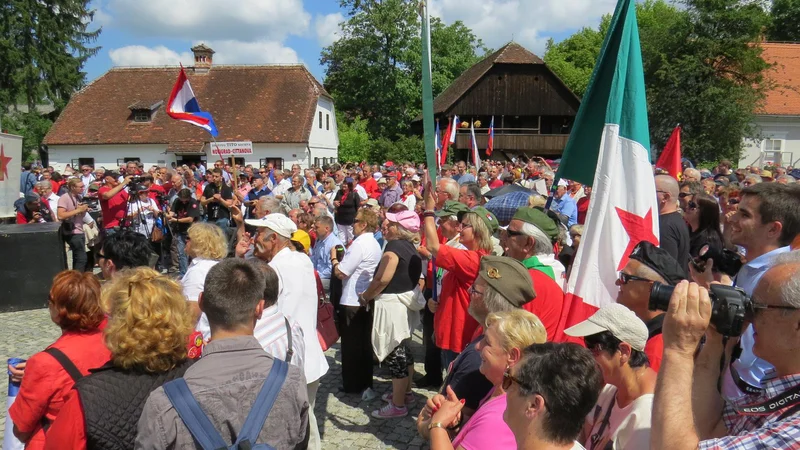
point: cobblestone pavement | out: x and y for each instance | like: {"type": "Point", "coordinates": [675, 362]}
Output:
{"type": "Point", "coordinates": [344, 419]}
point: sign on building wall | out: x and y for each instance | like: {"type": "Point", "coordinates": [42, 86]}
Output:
{"type": "Point", "coordinates": [228, 149]}
{"type": "Point", "coordinates": [10, 169]}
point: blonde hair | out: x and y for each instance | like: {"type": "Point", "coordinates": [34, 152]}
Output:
{"type": "Point", "coordinates": [536, 200]}
{"type": "Point", "coordinates": [407, 235]}
{"type": "Point", "coordinates": [208, 241]}
{"type": "Point", "coordinates": [517, 328]}
{"type": "Point", "coordinates": [483, 238]}
{"type": "Point", "coordinates": [149, 323]}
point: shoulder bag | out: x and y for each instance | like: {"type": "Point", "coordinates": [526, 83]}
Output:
{"type": "Point", "coordinates": [326, 326]}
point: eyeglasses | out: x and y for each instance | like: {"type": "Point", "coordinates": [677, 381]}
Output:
{"type": "Point", "coordinates": [509, 379]}
{"type": "Point", "coordinates": [684, 194]}
{"type": "Point", "coordinates": [512, 233]}
{"type": "Point", "coordinates": [100, 256]}
{"type": "Point", "coordinates": [733, 201]}
{"type": "Point", "coordinates": [473, 291]}
{"type": "Point", "coordinates": [625, 278]}
{"type": "Point", "coordinates": [756, 308]}
{"type": "Point", "coordinates": [692, 205]}
{"type": "Point", "coordinates": [464, 226]}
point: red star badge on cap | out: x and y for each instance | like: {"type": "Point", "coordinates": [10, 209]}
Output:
{"type": "Point", "coordinates": [638, 228]}
{"type": "Point", "coordinates": [4, 160]}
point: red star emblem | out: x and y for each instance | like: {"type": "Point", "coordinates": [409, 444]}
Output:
{"type": "Point", "coordinates": [638, 228]}
{"type": "Point", "coordinates": [3, 164]}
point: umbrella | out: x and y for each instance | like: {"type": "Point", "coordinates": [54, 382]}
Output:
{"type": "Point", "coordinates": [505, 189]}
{"type": "Point", "coordinates": [506, 205]}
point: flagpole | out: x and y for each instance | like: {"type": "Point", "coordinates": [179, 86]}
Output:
{"type": "Point", "coordinates": [427, 92]}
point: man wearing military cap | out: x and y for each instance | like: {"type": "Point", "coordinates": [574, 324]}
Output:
{"type": "Point", "coordinates": [646, 265]}
{"type": "Point", "coordinates": [503, 284]}
{"type": "Point", "coordinates": [529, 239]}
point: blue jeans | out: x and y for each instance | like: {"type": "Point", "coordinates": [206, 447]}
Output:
{"type": "Point", "coordinates": [77, 243]}
{"type": "Point", "coordinates": [183, 260]}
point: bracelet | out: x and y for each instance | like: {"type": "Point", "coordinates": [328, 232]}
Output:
{"type": "Point", "coordinates": [428, 214]}
{"type": "Point", "coordinates": [436, 425]}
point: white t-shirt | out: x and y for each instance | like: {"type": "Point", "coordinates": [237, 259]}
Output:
{"type": "Point", "coordinates": [359, 264]}
{"type": "Point", "coordinates": [193, 285]}
{"type": "Point", "coordinates": [361, 191]}
{"type": "Point", "coordinates": [628, 428]}
{"type": "Point", "coordinates": [143, 217]}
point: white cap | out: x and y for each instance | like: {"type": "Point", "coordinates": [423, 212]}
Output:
{"type": "Point", "coordinates": [377, 176]}
{"type": "Point", "coordinates": [276, 222]}
{"type": "Point", "coordinates": [620, 321]}
{"type": "Point", "coordinates": [563, 182]}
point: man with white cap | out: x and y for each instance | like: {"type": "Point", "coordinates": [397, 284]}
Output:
{"type": "Point", "coordinates": [621, 418]}
{"type": "Point", "coordinates": [564, 205]}
{"type": "Point", "coordinates": [297, 298]}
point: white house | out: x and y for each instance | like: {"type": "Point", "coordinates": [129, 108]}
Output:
{"type": "Point", "coordinates": [282, 109]}
{"type": "Point", "coordinates": [778, 121]}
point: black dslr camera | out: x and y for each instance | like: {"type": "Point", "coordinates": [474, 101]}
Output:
{"type": "Point", "coordinates": [138, 179]}
{"type": "Point", "coordinates": [730, 306]}
{"type": "Point", "coordinates": [725, 261]}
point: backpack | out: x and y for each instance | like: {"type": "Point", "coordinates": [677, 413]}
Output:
{"type": "Point", "coordinates": [203, 430]}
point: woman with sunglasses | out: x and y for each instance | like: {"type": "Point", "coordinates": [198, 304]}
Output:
{"type": "Point", "coordinates": [74, 305]}
{"type": "Point", "coordinates": [148, 329]}
{"type": "Point", "coordinates": [346, 202]}
{"type": "Point", "coordinates": [507, 335]}
{"type": "Point", "coordinates": [702, 215]}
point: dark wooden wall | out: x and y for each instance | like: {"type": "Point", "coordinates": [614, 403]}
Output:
{"type": "Point", "coordinates": [517, 90]}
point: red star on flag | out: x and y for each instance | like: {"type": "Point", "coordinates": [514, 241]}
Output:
{"type": "Point", "coordinates": [3, 164]}
{"type": "Point", "coordinates": [638, 228]}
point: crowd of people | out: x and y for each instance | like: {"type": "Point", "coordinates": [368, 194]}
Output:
{"type": "Point", "coordinates": [206, 329]}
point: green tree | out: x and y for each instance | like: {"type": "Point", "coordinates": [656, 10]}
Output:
{"type": "Point", "coordinates": [573, 58]}
{"type": "Point", "coordinates": [32, 126]}
{"type": "Point", "coordinates": [374, 70]}
{"type": "Point", "coordinates": [405, 148]}
{"type": "Point", "coordinates": [354, 140]}
{"type": "Point", "coordinates": [785, 24]}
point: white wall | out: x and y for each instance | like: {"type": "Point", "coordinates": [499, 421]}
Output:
{"type": "Point", "coordinates": [290, 153]}
{"type": "Point", "coordinates": [107, 155]}
{"type": "Point", "coordinates": [327, 136]}
{"type": "Point", "coordinates": [785, 128]}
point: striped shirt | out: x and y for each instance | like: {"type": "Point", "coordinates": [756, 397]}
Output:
{"type": "Point", "coordinates": [271, 333]}
{"type": "Point", "coordinates": [747, 432]}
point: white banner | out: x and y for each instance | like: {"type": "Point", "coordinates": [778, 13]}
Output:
{"type": "Point", "coordinates": [10, 169]}
{"type": "Point", "coordinates": [228, 149]}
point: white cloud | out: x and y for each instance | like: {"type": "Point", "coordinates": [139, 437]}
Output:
{"type": "Point", "coordinates": [327, 28]}
{"type": "Point", "coordinates": [139, 55]}
{"type": "Point", "coordinates": [245, 20]}
{"type": "Point", "coordinates": [227, 52]}
{"type": "Point", "coordinates": [528, 22]}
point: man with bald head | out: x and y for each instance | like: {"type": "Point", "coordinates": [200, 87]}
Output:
{"type": "Point", "coordinates": [691, 174]}
{"type": "Point", "coordinates": [673, 230]}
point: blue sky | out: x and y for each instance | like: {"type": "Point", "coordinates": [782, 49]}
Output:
{"type": "Point", "coordinates": [159, 32]}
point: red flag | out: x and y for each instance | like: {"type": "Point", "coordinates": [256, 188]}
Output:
{"type": "Point", "coordinates": [490, 146]}
{"type": "Point", "coordinates": [670, 158]}
{"type": "Point", "coordinates": [445, 142]}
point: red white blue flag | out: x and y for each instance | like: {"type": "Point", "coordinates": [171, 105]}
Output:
{"type": "Point", "coordinates": [490, 146]}
{"type": "Point", "coordinates": [438, 145]}
{"type": "Point", "coordinates": [183, 106]}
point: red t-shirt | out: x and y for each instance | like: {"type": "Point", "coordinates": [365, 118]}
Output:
{"type": "Point", "coordinates": [155, 190]}
{"type": "Point", "coordinates": [583, 208]}
{"type": "Point", "coordinates": [113, 209]}
{"type": "Point", "coordinates": [45, 383]}
{"type": "Point", "coordinates": [452, 325]}
{"type": "Point", "coordinates": [21, 219]}
{"type": "Point", "coordinates": [371, 186]}
{"type": "Point", "coordinates": [654, 349]}
{"type": "Point", "coordinates": [69, 428]}
{"type": "Point", "coordinates": [548, 303]}
{"type": "Point", "coordinates": [495, 184]}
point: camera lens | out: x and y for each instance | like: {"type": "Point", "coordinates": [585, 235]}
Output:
{"type": "Point", "coordinates": [659, 296]}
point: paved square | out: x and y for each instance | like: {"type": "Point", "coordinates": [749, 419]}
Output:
{"type": "Point", "coordinates": [344, 419]}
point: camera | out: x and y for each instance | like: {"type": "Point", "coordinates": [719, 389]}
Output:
{"type": "Point", "coordinates": [725, 261]}
{"type": "Point", "coordinates": [91, 202]}
{"type": "Point", "coordinates": [730, 306]}
{"type": "Point", "coordinates": [138, 179]}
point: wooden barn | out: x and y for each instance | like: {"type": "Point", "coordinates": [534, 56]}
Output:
{"type": "Point", "coordinates": [533, 109]}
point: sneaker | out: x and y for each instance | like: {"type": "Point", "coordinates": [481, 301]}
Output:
{"type": "Point", "coordinates": [390, 412]}
{"type": "Point", "coordinates": [410, 399]}
{"type": "Point", "coordinates": [368, 394]}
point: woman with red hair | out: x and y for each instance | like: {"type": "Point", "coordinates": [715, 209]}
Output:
{"type": "Point", "coordinates": [74, 305]}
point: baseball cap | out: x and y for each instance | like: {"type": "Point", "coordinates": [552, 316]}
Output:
{"type": "Point", "coordinates": [276, 222]}
{"type": "Point", "coordinates": [391, 175]}
{"type": "Point", "coordinates": [451, 208]}
{"type": "Point", "coordinates": [349, 180]}
{"type": "Point", "coordinates": [377, 176]}
{"type": "Point", "coordinates": [539, 219]}
{"type": "Point", "coordinates": [660, 261]}
{"type": "Point", "coordinates": [381, 180]}
{"type": "Point", "coordinates": [408, 219]}
{"type": "Point", "coordinates": [509, 278]}
{"type": "Point", "coordinates": [257, 176]}
{"type": "Point", "coordinates": [302, 238]}
{"type": "Point", "coordinates": [487, 216]}
{"type": "Point", "coordinates": [31, 197]}
{"type": "Point", "coordinates": [372, 203]}
{"type": "Point", "coordinates": [766, 174]}
{"type": "Point", "coordinates": [563, 182]}
{"type": "Point", "coordinates": [618, 320]}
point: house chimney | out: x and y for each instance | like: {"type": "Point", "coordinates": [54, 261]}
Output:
{"type": "Point", "coordinates": [203, 57]}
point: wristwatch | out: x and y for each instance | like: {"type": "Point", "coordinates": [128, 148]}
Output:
{"type": "Point", "coordinates": [436, 425]}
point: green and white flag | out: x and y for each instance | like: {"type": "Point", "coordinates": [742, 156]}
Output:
{"type": "Point", "coordinates": [608, 149]}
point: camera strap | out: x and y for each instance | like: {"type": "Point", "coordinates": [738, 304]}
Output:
{"type": "Point", "coordinates": [788, 399]}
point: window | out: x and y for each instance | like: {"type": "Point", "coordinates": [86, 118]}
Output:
{"type": "Point", "coordinates": [327, 121]}
{"type": "Point", "coordinates": [141, 115]}
{"type": "Point", "coordinates": [773, 145]}
{"type": "Point", "coordinates": [320, 120]}
{"type": "Point", "coordinates": [127, 160]}
{"type": "Point", "coordinates": [277, 163]}
{"type": "Point", "coordinates": [316, 162]}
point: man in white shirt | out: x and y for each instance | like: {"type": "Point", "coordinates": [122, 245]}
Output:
{"type": "Point", "coordinates": [87, 177]}
{"type": "Point", "coordinates": [356, 270]}
{"type": "Point", "coordinates": [297, 297]}
{"type": "Point", "coordinates": [282, 184]}
{"type": "Point", "coordinates": [278, 335]}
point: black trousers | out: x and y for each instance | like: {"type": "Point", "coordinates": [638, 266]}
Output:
{"type": "Point", "coordinates": [355, 327]}
{"type": "Point", "coordinates": [433, 360]}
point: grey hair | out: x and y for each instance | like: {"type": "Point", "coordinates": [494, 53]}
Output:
{"type": "Point", "coordinates": [756, 178]}
{"type": "Point", "coordinates": [787, 178]}
{"type": "Point", "coordinates": [495, 302]}
{"type": "Point", "coordinates": [451, 187]}
{"type": "Point", "coordinates": [297, 177]}
{"type": "Point", "coordinates": [43, 184]}
{"type": "Point", "coordinates": [407, 235]}
{"type": "Point", "coordinates": [691, 172]}
{"type": "Point", "coordinates": [483, 175]}
{"type": "Point", "coordinates": [542, 245]}
{"type": "Point", "coordinates": [270, 204]}
{"type": "Point", "coordinates": [548, 173]}
{"type": "Point", "coordinates": [790, 288]}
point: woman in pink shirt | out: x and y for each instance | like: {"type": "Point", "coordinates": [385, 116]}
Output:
{"type": "Point", "coordinates": [507, 335]}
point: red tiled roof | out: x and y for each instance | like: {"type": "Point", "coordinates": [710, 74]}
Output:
{"type": "Point", "coordinates": [511, 53]}
{"type": "Point", "coordinates": [267, 104]}
{"type": "Point", "coordinates": [784, 98]}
